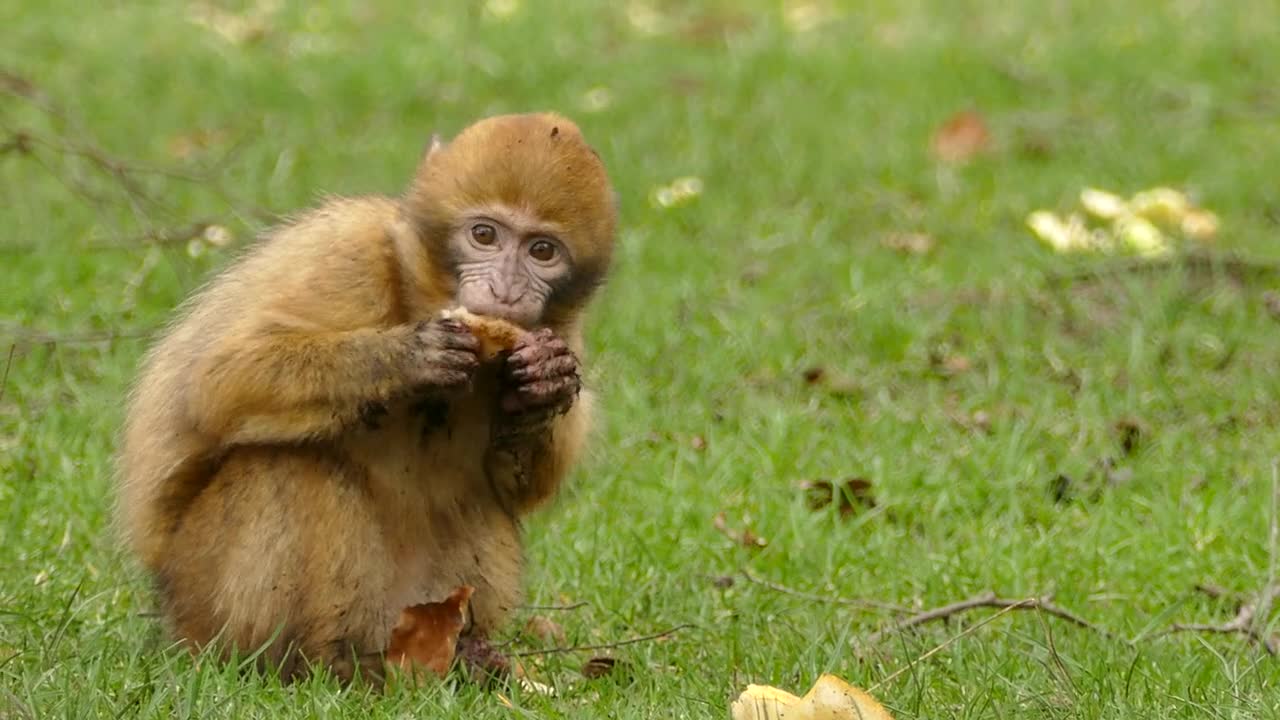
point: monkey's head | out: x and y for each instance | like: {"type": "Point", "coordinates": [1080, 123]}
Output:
{"type": "Point", "coordinates": [518, 217]}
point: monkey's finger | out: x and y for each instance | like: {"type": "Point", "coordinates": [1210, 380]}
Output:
{"type": "Point", "coordinates": [554, 366]}
{"type": "Point", "coordinates": [548, 392]}
{"type": "Point", "coordinates": [443, 378]}
{"type": "Point", "coordinates": [460, 339]}
{"type": "Point", "coordinates": [458, 360]}
{"type": "Point", "coordinates": [527, 355]}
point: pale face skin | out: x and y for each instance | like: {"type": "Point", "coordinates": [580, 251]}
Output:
{"type": "Point", "coordinates": [508, 264]}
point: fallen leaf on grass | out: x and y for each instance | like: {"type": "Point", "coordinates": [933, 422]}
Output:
{"type": "Point", "coordinates": [426, 636]}
{"type": "Point", "coordinates": [961, 137]}
{"type": "Point", "coordinates": [744, 537]}
{"type": "Point", "coordinates": [1271, 301]}
{"type": "Point", "coordinates": [830, 698]}
{"type": "Point", "coordinates": [834, 383]}
{"type": "Point", "coordinates": [848, 495]}
{"type": "Point", "coordinates": [909, 243]}
{"type": "Point", "coordinates": [1060, 489]}
{"type": "Point", "coordinates": [187, 145]}
{"type": "Point", "coordinates": [544, 628]}
{"type": "Point", "coordinates": [1131, 433]}
{"type": "Point", "coordinates": [598, 667]}
{"type": "Point", "coordinates": [1144, 224]}
{"type": "Point", "coordinates": [949, 364]}
{"type": "Point", "coordinates": [979, 421]}
{"type": "Point", "coordinates": [723, 582]}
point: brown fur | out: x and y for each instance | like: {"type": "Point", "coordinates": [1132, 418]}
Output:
{"type": "Point", "coordinates": [278, 475]}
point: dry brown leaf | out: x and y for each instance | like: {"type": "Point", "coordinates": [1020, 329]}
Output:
{"type": "Point", "coordinates": [961, 137]}
{"type": "Point", "coordinates": [1131, 433]}
{"type": "Point", "coordinates": [833, 383]}
{"type": "Point", "coordinates": [1061, 489]}
{"type": "Point", "coordinates": [849, 494]}
{"type": "Point", "coordinates": [814, 374]}
{"type": "Point", "coordinates": [598, 667]}
{"type": "Point", "coordinates": [426, 636]}
{"type": "Point", "coordinates": [1271, 301]}
{"type": "Point", "coordinates": [545, 629]}
{"type": "Point", "coordinates": [909, 243]}
{"type": "Point", "coordinates": [949, 364]}
{"type": "Point", "coordinates": [745, 537]}
{"type": "Point", "coordinates": [187, 145]}
{"type": "Point", "coordinates": [723, 582]}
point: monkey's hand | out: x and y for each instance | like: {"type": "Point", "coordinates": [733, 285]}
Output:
{"type": "Point", "coordinates": [443, 355]}
{"type": "Point", "coordinates": [541, 380]}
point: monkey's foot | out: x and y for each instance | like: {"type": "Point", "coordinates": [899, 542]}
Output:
{"type": "Point", "coordinates": [484, 663]}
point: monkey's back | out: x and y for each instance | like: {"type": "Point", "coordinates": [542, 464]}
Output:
{"type": "Point", "coordinates": [315, 267]}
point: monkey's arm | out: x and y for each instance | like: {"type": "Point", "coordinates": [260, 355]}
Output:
{"type": "Point", "coordinates": [283, 384]}
{"type": "Point", "coordinates": [543, 422]}
{"type": "Point", "coordinates": [528, 465]}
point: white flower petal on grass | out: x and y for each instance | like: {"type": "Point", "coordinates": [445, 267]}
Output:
{"type": "Point", "coordinates": [663, 197]}
{"type": "Point", "coordinates": [680, 191]}
{"type": "Point", "coordinates": [1102, 204]}
{"type": "Point", "coordinates": [596, 99]}
{"type": "Point", "coordinates": [217, 236]}
{"type": "Point", "coordinates": [645, 18]}
{"type": "Point", "coordinates": [803, 17]}
{"type": "Point", "coordinates": [501, 9]}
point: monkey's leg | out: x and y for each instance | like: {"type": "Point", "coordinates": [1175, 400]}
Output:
{"type": "Point", "coordinates": [284, 550]}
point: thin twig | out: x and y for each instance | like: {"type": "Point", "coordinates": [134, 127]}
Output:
{"type": "Point", "coordinates": [945, 644]}
{"type": "Point", "coordinates": [82, 158]}
{"type": "Point", "coordinates": [1251, 617]}
{"type": "Point", "coordinates": [829, 599]}
{"type": "Point", "coordinates": [1212, 591]}
{"type": "Point", "coordinates": [1249, 622]}
{"type": "Point", "coordinates": [558, 608]}
{"type": "Point", "coordinates": [989, 599]}
{"type": "Point", "coordinates": [605, 646]}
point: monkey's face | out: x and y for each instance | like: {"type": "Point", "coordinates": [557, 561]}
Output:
{"type": "Point", "coordinates": [509, 265]}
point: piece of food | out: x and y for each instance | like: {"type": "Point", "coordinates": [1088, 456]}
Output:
{"type": "Point", "coordinates": [496, 336]}
{"type": "Point", "coordinates": [830, 698]}
{"type": "Point", "coordinates": [426, 637]}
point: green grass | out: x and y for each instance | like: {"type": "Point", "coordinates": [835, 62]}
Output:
{"type": "Point", "coordinates": [812, 146]}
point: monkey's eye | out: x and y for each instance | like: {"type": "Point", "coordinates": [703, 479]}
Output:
{"type": "Point", "coordinates": [484, 234]}
{"type": "Point", "coordinates": [542, 251]}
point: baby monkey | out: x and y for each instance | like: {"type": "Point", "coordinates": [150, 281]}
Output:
{"type": "Point", "coordinates": [317, 444]}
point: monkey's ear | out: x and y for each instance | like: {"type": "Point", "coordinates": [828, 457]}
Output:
{"type": "Point", "coordinates": [433, 146]}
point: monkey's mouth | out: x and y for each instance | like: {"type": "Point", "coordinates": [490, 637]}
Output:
{"type": "Point", "coordinates": [524, 311]}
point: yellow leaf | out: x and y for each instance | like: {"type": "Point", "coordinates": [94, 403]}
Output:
{"type": "Point", "coordinates": [830, 698]}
